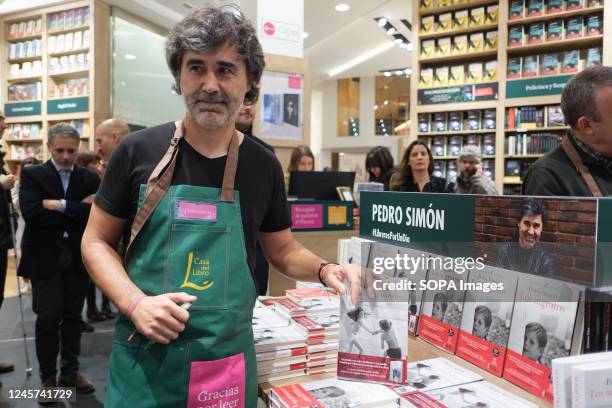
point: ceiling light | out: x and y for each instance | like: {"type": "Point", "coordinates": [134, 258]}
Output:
{"type": "Point", "coordinates": [403, 45]}
{"type": "Point", "coordinates": [382, 22]}
{"type": "Point", "coordinates": [390, 30]}
{"type": "Point", "coordinates": [399, 41]}
{"type": "Point", "coordinates": [342, 7]}
{"type": "Point", "coordinates": [304, 34]}
{"type": "Point", "coordinates": [409, 46]}
{"type": "Point", "coordinates": [387, 74]}
{"type": "Point", "coordinates": [130, 57]}
{"type": "Point", "coordinates": [407, 71]}
{"type": "Point", "coordinates": [375, 107]}
{"type": "Point", "coordinates": [385, 103]}
{"type": "Point", "coordinates": [399, 72]}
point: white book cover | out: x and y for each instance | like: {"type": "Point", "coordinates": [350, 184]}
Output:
{"type": "Point", "coordinates": [487, 314]}
{"type": "Point", "coordinates": [331, 393]}
{"type": "Point", "coordinates": [434, 374]}
{"type": "Point", "coordinates": [282, 353]}
{"type": "Point", "coordinates": [271, 331]}
{"type": "Point", "coordinates": [38, 47]}
{"type": "Point", "coordinates": [59, 43]}
{"type": "Point", "coordinates": [69, 42]}
{"type": "Point", "coordinates": [51, 44]}
{"type": "Point", "coordinates": [359, 250]}
{"type": "Point", "coordinates": [30, 49]}
{"type": "Point", "coordinates": [78, 40]}
{"type": "Point", "coordinates": [318, 325]}
{"type": "Point", "coordinates": [442, 306]}
{"type": "Point", "coordinates": [562, 375]}
{"type": "Point", "coordinates": [476, 394]}
{"type": "Point", "coordinates": [542, 329]}
{"type": "Point", "coordinates": [592, 385]}
{"type": "Point", "coordinates": [342, 251]}
{"type": "Point", "coordinates": [86, 39]}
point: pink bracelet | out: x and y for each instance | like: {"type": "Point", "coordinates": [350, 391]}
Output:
{"type": "Point", "coordinates": [133, 305]}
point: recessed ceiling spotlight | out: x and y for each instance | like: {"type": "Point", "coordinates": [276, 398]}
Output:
{"type": "Point", "coordinates": [387, 74]}
{"type": "Point", "coordinates": [390, 30]}
{"type": "Point", "coordinates": [402, 44]}
{"type": "Point", "coordinates": [382, 22]}
{"type": "Point", "coordinates": [399, 72]}
{"type": "Point", "coordinates": [407, 71]}
{"type": "Point", "coordinates": [304, 34]}
{"type": "Point", "coordinates": [342, 7]}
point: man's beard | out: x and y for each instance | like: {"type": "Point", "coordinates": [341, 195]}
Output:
{"type": "Point", "coordinates": [466, 174]}
{"type": "Point", "coordinates": [246, 128]}
{"type": "Point", "coordinates": [227, 112]}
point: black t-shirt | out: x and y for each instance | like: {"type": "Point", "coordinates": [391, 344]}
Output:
{"type": "Point", "coordinates": [259, 179]}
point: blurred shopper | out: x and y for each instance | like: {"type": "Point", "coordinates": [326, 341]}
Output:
{"type": "Point", "coordinates": [379, 165]}
{"type": "Point", "coordinates": [302, 159]}
{"type": "Point", "coordinates": [582, 164]}
{"type": "Point", "coordinates": [471, 178]}
{"type": "Point", "coordinates": [415, 172]}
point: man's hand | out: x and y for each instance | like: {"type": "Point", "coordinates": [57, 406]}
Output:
{"type": "Point", "coordinates": [160, 318]}
{"type": "Point", "coordinates": [7, 181]}
{"type": "Point", "coordinates": [89, 199]}
{"type": "Point", "coordinates": [478, 170]}
{"type": "Point", "coordinates": [52, 205]}
{"type": "Point", "coordinates": [334, 275]}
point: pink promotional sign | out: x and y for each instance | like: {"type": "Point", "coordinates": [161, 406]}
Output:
{"type": "Point", "coordinates": [295, 82]}
{"type": "Point", "coordinates": [196, 211]}
{"type": "Point", "coordinates": [217, 383]}
{"type": "Point", "coordinates": [307, 216]}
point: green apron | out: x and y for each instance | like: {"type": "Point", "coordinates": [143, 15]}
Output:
{"type": "Point", "coordinates": [189, 239]}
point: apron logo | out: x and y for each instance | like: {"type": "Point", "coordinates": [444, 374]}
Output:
{"type": "Point", "coordinates": [196, 211]}
{"type": "Point", "coordinates": [197, 268]}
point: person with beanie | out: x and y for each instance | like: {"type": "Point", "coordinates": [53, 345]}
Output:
{"type": "Point", "coordinates": [471, 179]}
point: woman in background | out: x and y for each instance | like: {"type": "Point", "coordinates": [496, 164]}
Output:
{"type": "Point", "coordinates": [379, 165]}
{"type": "Point", "coordinates": [302, 159]}
{"type": "Point", "coordinates": [415, 172]}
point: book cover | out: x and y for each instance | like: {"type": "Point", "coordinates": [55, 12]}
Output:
{"type": "Point", "coordinates": [426, 4]}
{"type": "Point", "coordinates": [438, 146]}
{"type": "Point", "coordinates": [477, 17]}
{"type": "Point", "coordinates": [574, 27]}
{"type": "Point", "coordinates": [515, 36]}
{"type": "Point", "coordinates": [324, 326]}
{"type": "Point", "coordinates": [592, 384]}
{"type": "Point", "coordinates": [439, 169]}
{"type": "Point", "coordinates": [570, 62]}
{"type": "Point", "coordinates": [445, 22]}
{"type": "Point", "coordinates": [488, 145]}
{"type": "Point", "coordinates": [474, 120]}
{"type": "Point", "coordinates": [454, 146]}
{"type": "Point", "coordinates": [574, 4]}
{"type": "Point", "coordinates": [489, 119]}
{"type": "Point", "coordinates": [491, 40]}
{"type": "Point", "coordinates": [555, 116]}
{"type": "Point", "coordinates": [425, 79]}
{"type": "Point", "coordinates": [554, 6]}
{"type": "Point", "coordinates": [474, 73]}
{"type": "Point", "coordinates": [441, 77]}
{"type": "Point", "coordinates": [374, 332]}
{"type": "Point", "coordinates": [460, 20]}
{"type": "Point", "coordinates": [442, 307]}
{"type": "Point", "coordinates": [594, 25]}
{"type": "Point", "coordinates": [451, 171]}
{"type": "Point", "coordinates": [542, 329]}
{"type": "Point", "coordinates": [69, 23]}
{"type": "Point", "coordinates": [490, 72]}
{"type": "Point", "coordinates": [595, 3]}
{"type": "Point", "coordinates": [435, 374]}
{"type": "Point", "coordinates": [61, 18]}
{"type": "Point", "coordinates": [443, 3]}
{"type": "Point", "coordinates": [535, 8]}
{"type": "Point", "coordinates": [476, 42]}
{"type": "Point", "coordinates": [472, 140]}
{"type": "Point", "coordinates": [485, 324]}
{"type": "Point", "coordinates": [423, 123]}
{"type": "Point", "coordinates": [439, 122]}
{"type": "Point", "coordinates": [333, 393]}
{"type": "Point", "coordinates": [460, 45]}
{"type": "Point", "coordinates": [428, 48]}
{"type": "Point", "coordinates": [549, 64]}
{"type": "Point", "coordinates": [272, 331]}
{"type": "Point", "coordinates": [530, 66]}
{"type": "Point", "coordinates": [492, 14]}
{"type": "Point", "coordinates": [455, 121]}
{"type": "Point", "coordinates": [69, 42]}
{"type": "Point", "coordinates": [593, 57]}
{"type": "Point", "coordinates": [516, 9]}
{"type": "Point", "coordinates": [475, 394]}
{"type": "Point", "coordinates": [514, 68]}
{"type": "Point", "coordinates": [427, 24]}
{"type": "Point", "coordinates": [535, 33]}
{"type": "Point", "coordinates": [78, 17]}
{"type": "Point", "coordinates": [456, 75]}
{"type": "Point", "coordinates": [443, 47]}
{"type": "Point", "coordinates": [562, 375]}
{"type": "Point", "coordinates": [554, 30]}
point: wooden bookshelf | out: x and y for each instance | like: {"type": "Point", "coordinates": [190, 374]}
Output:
{"type": "Point", "coordinates": [554, 16]}
{"type": "Point", "coordinates": [552, 46]}
{"type": "Point", "coordinates": [456, 59]}
{"type": "Point", "coordinates": [94, 108]}
{"type": "Point", "coordinates": [458, 132]}
{"type": "Point", "coordinates": [450, 33]}
{"type": "Point", "coordinates": [454, 7]}
{"type": "Point", "coordinates": [539, 129]}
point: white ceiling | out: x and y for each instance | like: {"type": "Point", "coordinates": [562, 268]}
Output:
{"type": "Point", "coordinates": [335, 39]}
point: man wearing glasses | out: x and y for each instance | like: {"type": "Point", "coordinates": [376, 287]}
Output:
{"type": "Point", "coordinates": [55, 199]}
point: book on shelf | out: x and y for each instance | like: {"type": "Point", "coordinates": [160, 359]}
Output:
{"type": "Point", "coordinates": [516, 9]}
{"type": "Point", "coordinates": [535, 8]}
{"type": "Point", "coordinates": [423, 119]}
{"type": "Point", "coordinates": [591, 384]}
{"type": "Point", "coordinates": [427, 24]}
{"type": "Point", "coordinates": [554, 30]}
{"type": "Point", "coordinates": [426, 78]}
{"type": "Point", "coordinates": [554, 6]}
{"type": "Point", "coordinates": [595, 3]}
{"type": "Point", "coordinates": [597, 320]}
{"type": "Point", "coordinates": [476, 42]}
{"type": "Point", "coordinates": [474, 73]}
{"type": "Point", "coordinates": [443, 47]}
{"type": "Point", "coordinates": [594, 25]}
{"type": "Point", "coordinates": [477, 17]}
{"type": "Point", "coordinates": [490, 71]}
{"type": "Point", "coordinates": [554, 116]}
{"type": "Point", "coordinates": [435, 374]}
{"type": "Point", "coordinates": [562, 375]}
{"type": "Point", "coordinates": [515, 36]}
{"type": "Point", "coordinates": [25, 92]}
{"type": "Point", "coordinates": [426, 4]}
{"type": "Point", "coordinates": [439, 169]}
{"type": "Point", "coordinates": [428, 48]}
{"type": "Point", "coordinates": [460, 45]}
{"type": "Point", "coordinates": [485, 324]}
{"type": "Point", "coordinates": [535, 33]}
{"type": "Point", "coordinates": [488, 167]}
{"type": "Point", "coordinates": [455, 121]}
{"type": "Point", "coordinates": [471, 140]}
{"type": "Point", "coordinates": [445, 22]}
{"type": "Point", "coordinates": [574, 4]}
{"type": "Point", "coordinates": [69, 42]}
{"type": "Point", "coordinates": [454, 146]}
{"type": "Point", "coordinates": [544, 322]}
{"type": "Point", "coordinates": [549, 64]}
{"type": "Point", "coordinates": [492, 14]}
{"type": "Point", "coordinates": [574, 27]}
{"type": "Point", "coordinates": [438, 146]}
{"type": "Point", "coordinates": [593, 57]}
{"type": "Point", "coordinates": [570, 62]}
{"type": "Point", "coordinates": [439, 122]}
{"type": "Point", "coordinates": [530, 66]}
{"type": "Point", "coordinates": [514, 67]}
{"type": "Point", "coordinates": [460, 20]}
{"type": "Point", "coordinates": [488, 145]}
{"type": "Point", "coordinates": [456, 75]}
{"type": "Point", "coordinates": [491, 40]}
{"type": "Point", "coordinates": [443, 3]}
{"type": "Point", "coordinates": [451, 171]}
{"type": "Point", "coordinates": [489, 119]}
{"type": "Point", "coordinates": [474, 119]}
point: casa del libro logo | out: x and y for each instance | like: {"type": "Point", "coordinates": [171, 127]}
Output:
{"type": "Point", "coordinates": [197, 273]}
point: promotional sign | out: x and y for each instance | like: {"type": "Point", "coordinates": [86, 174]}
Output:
{"type": "Point", "coordinates": [22, 109]}
{"type": "Point", "coordinates": [457, 94]}
{"type": "Point", "coordinates": [540, 86]}
{"type": "Point", "coordinates": [68, 105]}
{"type": "Point", "coordinates": [321, 215]}
{"type": "Point", "coordinates": [282, 98]}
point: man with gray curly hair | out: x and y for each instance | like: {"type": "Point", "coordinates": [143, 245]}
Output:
{"type": "Point", "coordinates": [192, 198]}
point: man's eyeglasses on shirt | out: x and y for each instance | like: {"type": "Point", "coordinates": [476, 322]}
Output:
{"type": "Point", "coordinates": [60, 150]}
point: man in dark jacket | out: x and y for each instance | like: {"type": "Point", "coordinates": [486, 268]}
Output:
{"type": "Point", "coordinates": [528, 254]}
{"type": "Point", "coordinates": [55, 199]}
{"type": "Point", "coordinates": [587, 107]}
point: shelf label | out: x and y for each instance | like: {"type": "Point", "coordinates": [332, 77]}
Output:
{"type": "Point", "coordinates": [541, 86]}
{"type": "Point", "coordinates": [22, 109]}
{"type": "Point", "coordinates": [68, 105]}
{"type": "Point", "coordinates": [458, 94]}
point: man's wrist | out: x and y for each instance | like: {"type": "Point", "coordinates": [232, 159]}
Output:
{"type": "Point", "coordinates": [322, 267]}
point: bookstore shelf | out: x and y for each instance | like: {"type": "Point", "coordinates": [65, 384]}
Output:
{"type": "Point", "coordinates": [69, 52]}
{"type": "Point", "coordinates": [554, 16]}
{"type": "Point", "coordinates": [447, 107]}
{"type": "Point", "coordinates": [510, 180]}
{"type": "Point", "coordinates": [524, 156]}
{"type": "Point", "coordinates": [19, 141]}
{"type": "Point", "coordinates": [23, 119]}
{"type": "Point", "coordinates": [540, 129]}
{"type": "Point", "coordinates": [458, 132]}
{"type": "Point", "coordinates": [70, 74]}
{"type": "Point", "coordinates": [25, 38]}
{"type": "Point", "coordinates": [533, 100]}
{"type": "Point", "coordinates": [454, 7]}
{"type": "Point", "coordinates": [25, 59]}
{"type": "Point", "coordinates": [69, 30]}
{"type": "Point", "coordinates": [459, 58]}
{"type": "Point", "coordinates": [552, 46]}
{"type": "Point", "coordinates": [67, 116]}
{"type": "Point", "coordinates": [486, 157]}
{"type": "Point", "coordinates": [468, 30]}
{"type": "Point", "coordinates": [24, 79]}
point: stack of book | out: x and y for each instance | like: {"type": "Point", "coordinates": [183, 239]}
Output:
{"type": "Point", "coordinates": [582, 381]}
